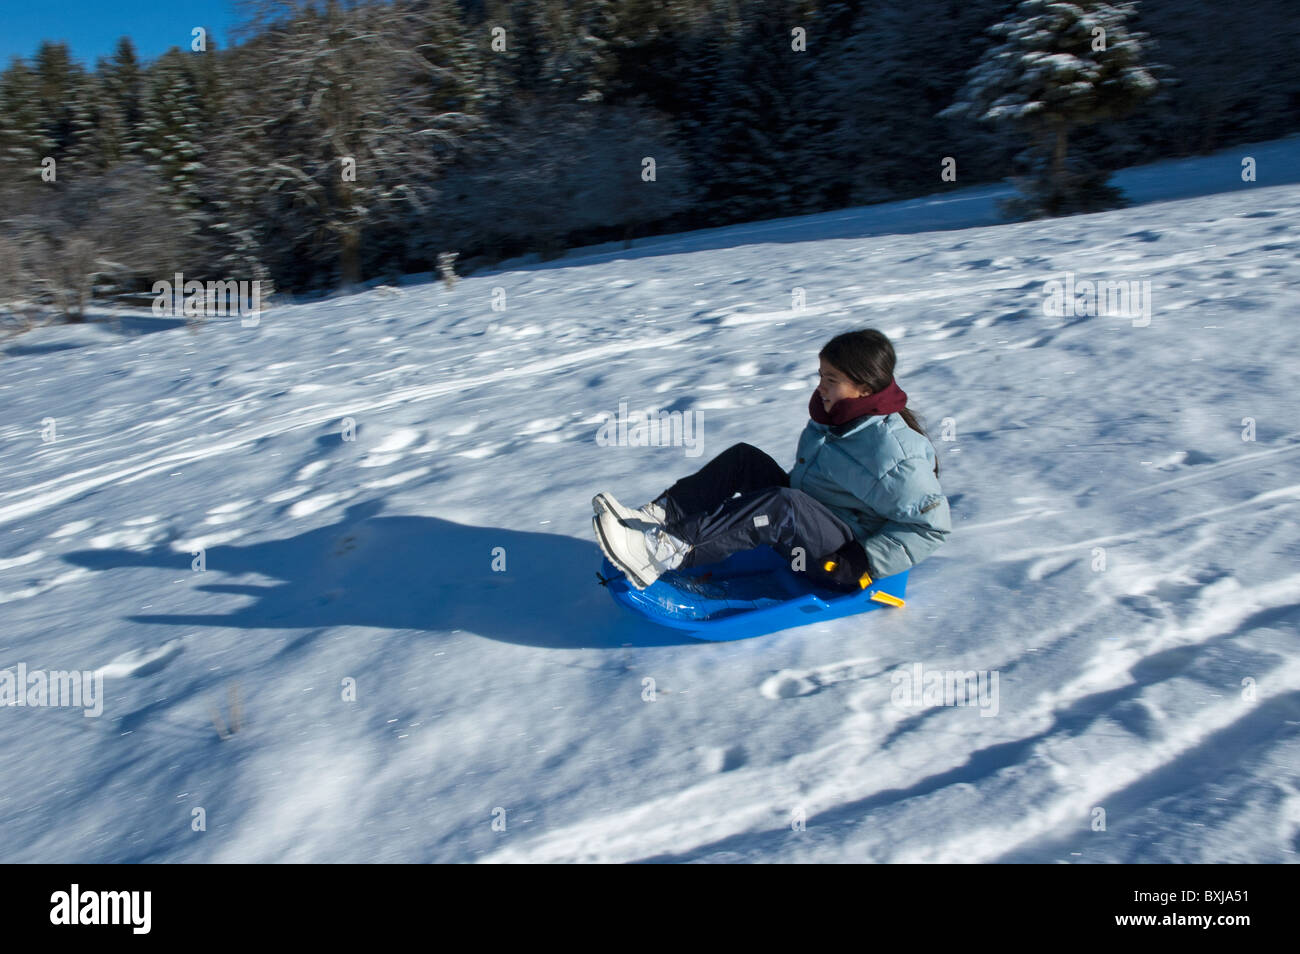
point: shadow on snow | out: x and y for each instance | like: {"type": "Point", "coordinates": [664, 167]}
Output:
{"type": "Point", "coordinates": [410, 573]}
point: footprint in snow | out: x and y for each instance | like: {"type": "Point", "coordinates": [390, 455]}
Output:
{"type": "Point", "coordinates": [346, 544]}
{"type": "Point", "coordinates": [142, 662]}
{"type": "Point", "coordinates": [786, 685]}
{"type": "Point", "coordinates": [1187, 458]}
{"type": "Point", "coordinates": [1049, 566]}
{"type": "Point", "coordinates": [1144, 604]}
{"type": "Point", "coordinates": [789, 683]}
{"type": "Point", "coordinates": [723, 759]}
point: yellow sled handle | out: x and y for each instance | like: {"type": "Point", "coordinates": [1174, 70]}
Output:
{"type": "Point", "coordinates": [864, 581]}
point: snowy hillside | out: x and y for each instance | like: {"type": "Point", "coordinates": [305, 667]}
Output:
{"type": "Point", "coordinates": [1121, 558]}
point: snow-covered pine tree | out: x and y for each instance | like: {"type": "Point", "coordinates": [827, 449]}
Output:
{"type": "Point", "coordinates": [583, 60]}
{"type": "Point", "coordinates": [762, 116]}
{"type": "Point", "coordinates": [95, 132]}
{"type": "Point", "coordinates": [44, 116]}
{"type": "Point", "coordinates": [56, 75]}
{"type": "Point", "coordinates": [1059, 65]}
{"type": "Point", "coordinates": [172, 130]}
{"type": "Point", "coordinates": [701, 60]}
{"type": "Point", "coordinates": [24, 140]}
{"type": "Point", "coordinates": [122, 79]}
{"type": "Point", "coordinates": [887, 74]}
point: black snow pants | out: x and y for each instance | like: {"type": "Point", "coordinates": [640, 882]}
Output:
{"type": "Point", "coordinates": [702, 510]}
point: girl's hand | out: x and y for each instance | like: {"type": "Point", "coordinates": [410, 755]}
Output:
{"type": "Point", "coordinates": [846, 569]}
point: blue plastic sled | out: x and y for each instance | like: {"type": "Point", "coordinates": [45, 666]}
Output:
{"type": "Point", "coordinates": [750, 593]}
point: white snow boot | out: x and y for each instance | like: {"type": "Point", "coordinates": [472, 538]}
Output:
{"type": "Point", "coordinates": [650, 515]}
{"type": "Point", "coordinates": [642, 555]}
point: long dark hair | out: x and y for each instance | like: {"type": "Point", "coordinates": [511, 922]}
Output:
{"type": "Point", "coordinates": [866, 357]}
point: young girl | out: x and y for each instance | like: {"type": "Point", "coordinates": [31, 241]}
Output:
{"type": "Point", "coordinates": [863, 500]}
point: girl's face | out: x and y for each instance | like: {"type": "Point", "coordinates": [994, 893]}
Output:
{"type": "Point", "coordinates": [836, 386]}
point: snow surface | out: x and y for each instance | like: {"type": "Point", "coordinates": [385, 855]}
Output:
{"type": "Point", "coordinates": [522, 695]}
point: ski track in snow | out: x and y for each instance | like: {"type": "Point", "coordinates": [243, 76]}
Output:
{"type": "Point", "coordinates": [1067, 770]}
{"type": "Point", "coordinates": [264, 514]}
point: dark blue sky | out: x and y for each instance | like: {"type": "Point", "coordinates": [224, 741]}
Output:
{"type": "Point", "coordinates": [91, 27]}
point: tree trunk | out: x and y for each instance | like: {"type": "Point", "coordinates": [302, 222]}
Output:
{"type": "Point", "coordinates": [350, 256]}
{"type": "Point", "coordinates": [350, 230]}
{"type": "Point", "coordinates": [1058, 160]}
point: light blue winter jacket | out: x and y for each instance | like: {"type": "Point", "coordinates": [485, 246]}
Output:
{"type": "Point", "coordinates": [878, 477]}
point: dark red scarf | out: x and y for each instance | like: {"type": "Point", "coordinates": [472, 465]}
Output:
{"type": "Point", "coordinates": [844, 410]}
